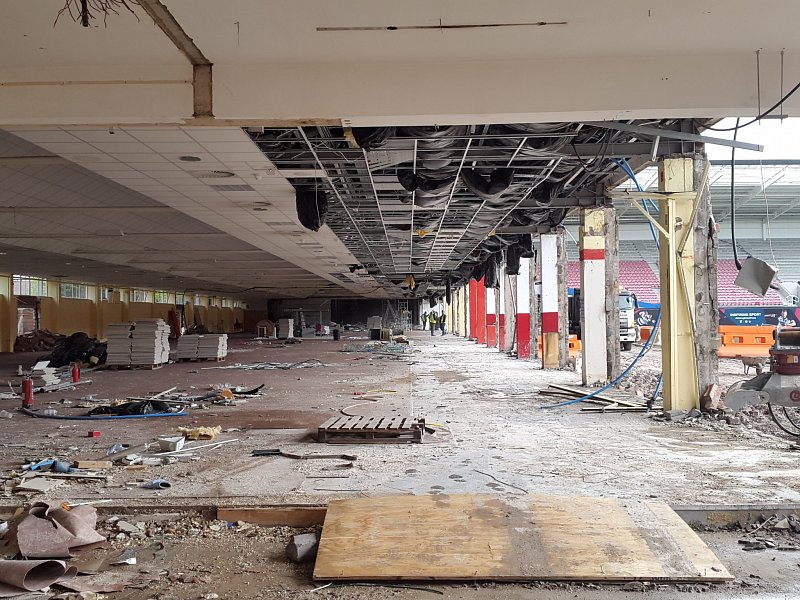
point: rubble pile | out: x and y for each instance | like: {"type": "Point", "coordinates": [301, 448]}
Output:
{"type": "Point", "coordinates": [37, 341]}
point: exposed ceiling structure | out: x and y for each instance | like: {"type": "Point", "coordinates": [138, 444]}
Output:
{"type": "Point", "coordinates": [435, 202]}
{"type": "Point", "coordinates": [180, 133]}
{"type": "Point", "coordinates": [168, 207]}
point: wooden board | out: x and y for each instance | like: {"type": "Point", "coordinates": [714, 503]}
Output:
{"type": "Point", "coordinates": [479, 536]}
{"type": "Point", "coordinates": [275, 516]}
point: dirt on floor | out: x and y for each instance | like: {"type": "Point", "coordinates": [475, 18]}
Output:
{"type": "Point", "coordinates": [493, 433]}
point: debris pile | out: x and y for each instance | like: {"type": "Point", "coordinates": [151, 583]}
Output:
{"type": "Point", "coordinates": [379, 347]}
{"type": "Point", "coordinates": [42, 545]}
{"type": "Point", "coordinates": [608, 401]}
{"type": "Point", "coordinates": [78, 348]}
{"type": "Point", "coordinates": [37, 341]}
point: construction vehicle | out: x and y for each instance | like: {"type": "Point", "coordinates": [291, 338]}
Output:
{"type": "Point", "coordinates": [778, 388]}
{"type": "Point", "coordinates": [627, 317]}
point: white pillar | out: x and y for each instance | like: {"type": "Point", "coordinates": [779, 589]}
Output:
{"type": "Point", "coordinates": [550, 301]}
{"type": "Point", "coordinates": [593, 296]}
{"type": "Point", "coordinates": [501, 310]}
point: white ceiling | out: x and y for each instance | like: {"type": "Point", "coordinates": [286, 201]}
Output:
{"type": "Point", "coordinates": [611, 59]}
{"type": "Point", "coordinates": [126, 198]}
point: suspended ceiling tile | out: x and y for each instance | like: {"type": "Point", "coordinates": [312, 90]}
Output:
{"type": "Point", "coordinates": [111, 147]}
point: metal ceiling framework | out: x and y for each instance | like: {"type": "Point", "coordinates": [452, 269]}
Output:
{"type": "Point", "coordinates": [407, 201]}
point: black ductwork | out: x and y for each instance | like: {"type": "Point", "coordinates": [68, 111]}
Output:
{"type": "Point", "coordinates": [498, 182]}
{"type": "Point", "coordinates": [312, 207]}
{"type": "Point", "coordinates": [369, 138]}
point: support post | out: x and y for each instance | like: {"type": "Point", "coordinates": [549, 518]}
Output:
{"type": "Point", "coordinates": [480, 311]}
{"type": "Point", "coordinates": [612, 293]}
{"type": "Point", "coordinates": [677, 286]}
{"type": "Point", "coordinates": [535, 319]}
{"type": "Point", "coordinates": [473, 309]}
{"type": "Point", "coordinates": [705, 284]}
{"type": "Point", "coordinates": [498, 311]}
{"type": "Point", "coordinates": [523, 310]}
{"type": "Point", "coordinates": [491, 317]}
{"type": "Point", "coordinates": [563, 300]}
{"type": "Point", "coordinates": [510, 312]}
{"type": "Point", "coordinates": [555, 348]}
{"type": "Point", "coordinates": [593, 296]}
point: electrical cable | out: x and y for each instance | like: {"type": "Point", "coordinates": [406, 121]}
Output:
{"type": "Point", "coordinates": [33, 413]}
{"type": "Point", "coordinates": [733, 201]}
{"type": "Point", "coordinates": [628, 171]}
{"type": "Point", "coordinates": [760, 116]}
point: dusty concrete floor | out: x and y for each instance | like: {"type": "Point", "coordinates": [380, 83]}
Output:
{"type": "Point", "coordinates": [493, 435]}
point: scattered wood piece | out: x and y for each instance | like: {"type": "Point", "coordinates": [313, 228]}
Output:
{"type": "Point", "coordinates": [94, 464]}
{"type": "Point", "coordinates": [276, 516]}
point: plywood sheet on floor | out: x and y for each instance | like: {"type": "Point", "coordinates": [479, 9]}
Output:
{"type": "Point", "coordinates": [479, 536]}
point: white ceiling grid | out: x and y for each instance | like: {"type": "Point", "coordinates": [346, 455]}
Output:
{"type": "Point", "coordinates": [148, 161]}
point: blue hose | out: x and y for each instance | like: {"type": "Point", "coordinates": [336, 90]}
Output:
{"type": "Point", "coordinates": [33, 413]}
{"type": "Point", "coordinates": [624, 166]}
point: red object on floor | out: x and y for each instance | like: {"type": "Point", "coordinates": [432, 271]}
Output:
{"type": "Point", "coordinates": [94, 434]}
{"type": "Point", "coordinates": [76, 373]}
{"type": "Point", "coordinates": [27, 393]}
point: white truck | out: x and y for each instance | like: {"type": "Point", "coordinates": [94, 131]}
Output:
{"type": "Point", "coordinates": [627, 319]}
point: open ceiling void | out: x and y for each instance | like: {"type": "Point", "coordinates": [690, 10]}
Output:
{"type": "Point", "coordinates": [437, 202]}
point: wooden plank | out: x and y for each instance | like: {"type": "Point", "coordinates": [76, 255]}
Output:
{"type": "Point", "coordinates": [275, 516]}
{"type": "Point", "coordinates": [480, 537]}
{"type": "Point", "coordinates": [329, 422]}
{"type": "Point", "coordinates": [579, 393]}
{"type": "Point", "coordinates": [94, 464]}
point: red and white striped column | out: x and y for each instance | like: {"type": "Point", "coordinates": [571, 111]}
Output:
{"type": "Point", "coordinates": [523, 310]}
{"type": "Point", "coordinates": [550, 291]}
{"type": "Point", "coordinates": [491, 318]}
{"type": "Point", "coordinates": [593, 296]}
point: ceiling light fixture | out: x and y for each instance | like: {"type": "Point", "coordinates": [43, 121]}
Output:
{"type": "Point", "coordinates": [188, 158]}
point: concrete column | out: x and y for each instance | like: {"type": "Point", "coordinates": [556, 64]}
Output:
{"type": "Point", "coordinates": [480, 313]}
{"type": "Point", "coordinates": [562, 272]}
{"type": "Point", "coordinates": [533, 276]}
{"type": "Point", "coordinates": [499, 304]}
{"type": "Point", "coordinates": [705, 284]}
{"type": "Point", "coordinates": [510, 312]}
{"type": "Point", "coordinates": [593, 295]}
{"type": "Point", "coordinates": [677, 286]}
{"type": "Point", "coordinates": [523, 309]}
{"type": "Point", "coordinates": [612, 293]}
{"type": "Point", "coordinates": [473, 309]}
{"type": "Point", "coordinates": [555, 335]}
{"type": "Point", "coordinates": [491, 317]}
{"type": "Point", "coordinates": [8, 314]}
{"type": "Point", "coordinates": [500, 299]}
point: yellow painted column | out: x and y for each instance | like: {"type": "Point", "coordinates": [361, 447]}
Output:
{"type": "Point", "coordinates": [8, 313]}
{"type": "Point", "coordinates": [677, 286]}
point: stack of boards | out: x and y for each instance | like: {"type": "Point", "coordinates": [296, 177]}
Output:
{"type": "Point", "coordinates": [143, 343]}
{"type": "Point", "coordinates": [42, 375]}
{"type": "Point", "coordinates": [209, 346]}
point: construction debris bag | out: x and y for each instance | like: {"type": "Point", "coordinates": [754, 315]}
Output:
{"type": "Point", "coordinates": [312, 207]}
{"type": "Point", "coordinates": [78, 347]}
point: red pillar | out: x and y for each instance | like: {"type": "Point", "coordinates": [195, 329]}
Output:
{"type": "Point", "coordinates": [480, 308]}
{"type": "Point", "coordinates": [473, 309]}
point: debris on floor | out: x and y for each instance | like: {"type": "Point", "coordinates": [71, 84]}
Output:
{"type": "Point", "coordinates": [609, 401]}
{"type": "Point", "coordinates": [371, 430]}
{"type": "Point", "coordinates": [267, 366]}
{"type": "Point", "coordinates": [377, 347]}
